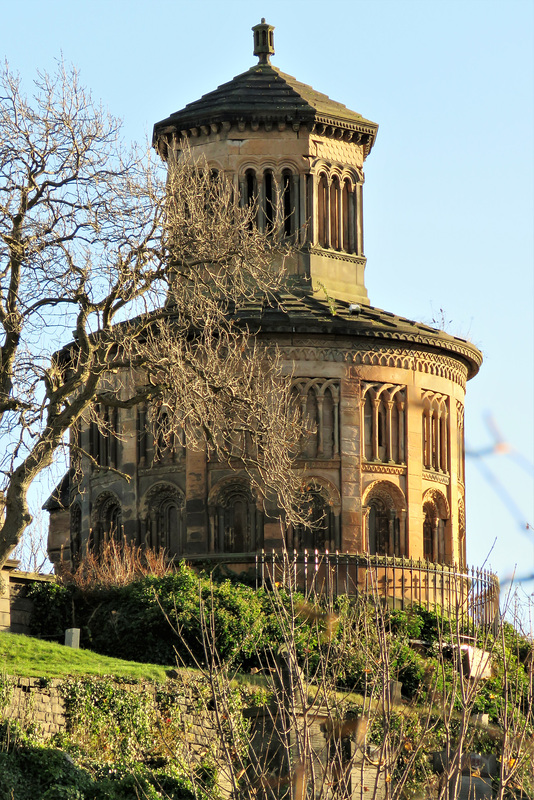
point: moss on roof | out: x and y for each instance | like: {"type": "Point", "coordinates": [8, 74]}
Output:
{"type": "Point", "coordinates": [303, 313]}
{"type": "Point", "coordinates": [265, 94]}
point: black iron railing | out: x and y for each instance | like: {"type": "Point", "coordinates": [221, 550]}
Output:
{"type": "Point", "coordinates": [469, 593]}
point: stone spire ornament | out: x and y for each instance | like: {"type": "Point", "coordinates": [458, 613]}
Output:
{"type": "Point", "coordinates": [263, 41]}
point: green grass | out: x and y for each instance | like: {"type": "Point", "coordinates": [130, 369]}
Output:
{"type": "Point", "coordinates": [25, 657]}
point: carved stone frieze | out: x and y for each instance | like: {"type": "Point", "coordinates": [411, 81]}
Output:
{"type": "Point", "coordinates": [367, 354]}
{"type": "Point", "coordinates": [338, 256]}
{"type": "Point", "coordinates": [316, 463]}
{"type": "Point", "coordinates": [438, 477]}
{"type": "Point", "coordinates": [163, 469]}
{"type": "Point", "coordinates": [384, 469]}
{"type": "Point", "coordinates": [342, 152]}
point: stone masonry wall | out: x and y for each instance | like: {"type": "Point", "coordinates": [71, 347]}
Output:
{"type": "Point", "coordinates": [34, 700]}
{"type": "Point", "coordinates": [15, 607]}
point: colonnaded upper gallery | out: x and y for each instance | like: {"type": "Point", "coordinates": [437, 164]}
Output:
{"type": "Point", "coordinates": [384, 463]}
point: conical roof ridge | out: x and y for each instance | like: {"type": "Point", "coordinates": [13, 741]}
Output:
{"type": "Point", "coordinates": [265, 94]}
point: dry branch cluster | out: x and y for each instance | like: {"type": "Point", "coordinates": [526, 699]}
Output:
{"type": "Point", "coordinates": [311, 740]}
{"type": "Point", "coordinates": [107, 264]}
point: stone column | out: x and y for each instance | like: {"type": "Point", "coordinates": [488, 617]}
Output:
{"type": "Point", "coordinates": [414, 477]}
{"type": "Point", "coordinates": [327, 212]}
{"type": "Point", "coordinates": [403, 544]}
{"type": "Point", "coordinates": [313, 212]}
{"type": "Point", "coordinates": [261, 202]}
{"type": "Point", "coordinates": [351, 211]}
{"type": "Point", "coordinates": [349, 407]}
{"type": "Point", "coordinates": [359, 219]}
{"type": "Point", "coordinates": [196, 536]}
{"type": "Point", "coordinates": [444, 441]}
{"type": "Point", "coordinates": [389, 431]}
{"type": "Point", "coordinates": [295, 206]}
{"type": "Point", "coordinates": [320, 426]}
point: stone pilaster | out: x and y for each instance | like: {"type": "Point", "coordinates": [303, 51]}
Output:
{"type": "Point", "coordinates": [196, 507]}
{"type": "Point", "coordinates": [414, 478]}
{"type": "Point", "coordinates": [351, 509]}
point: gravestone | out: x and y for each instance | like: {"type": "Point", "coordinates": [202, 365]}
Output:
{"type": "Point", "coordinates": [72, 637]}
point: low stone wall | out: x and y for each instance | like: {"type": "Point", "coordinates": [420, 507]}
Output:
{"type": "Point", "coordinates": [34, 701]}
{"type": "Point", "coordinates": [15, 606]}
{"type": "Point", "coordinates": [39, 703]}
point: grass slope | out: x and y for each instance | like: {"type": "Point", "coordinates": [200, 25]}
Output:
{"type": "Point", "coordinates": [26, 657]}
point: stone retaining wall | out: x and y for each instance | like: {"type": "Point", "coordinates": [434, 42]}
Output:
{"type": "Point", "coordinates": [34, 700]}
{"type": "Point", "coordinates": [15, 607]}
{"type": "Point", "coordinates": [39, 702]}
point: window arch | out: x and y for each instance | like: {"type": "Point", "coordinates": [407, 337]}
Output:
{"type": "Point", "coordinates": [269, 200]}
{"type": "Point", "coordinates": [104, 436]}
{"type": "Point", "coordinates": [249, 191]}
{"type": "Point", "coordinates": [385, 517]}
{"type": "Point", "coordinates": [349, 217]}
{"type": "Point", "coordinates": [236, 524]}
{"type": "Point", "coordinates": [335, 213]}
{"type": "Point", "coordinates": [384, 422]}
{"type": "Point", "coordinates": [435, 434]}
{"type": "Point", "coordinates": [321, 506]}
{"type": "Point", "coordinates": [319, 404]}
{"type": "Point", "coordinates": [157, 440]}
{"type": "Point", "coordinates": [435, 518]}
{"type": "Point", "coordinates": [288, 203]}
{"type": "Point", "coordinates": [323, 210]}
{"type": "Point", "coordinates": [164, 519]}
{"type": "Point", "coordinates": [75, 534]}
{"type": "Point", "coordinates": [337, 210]}
{"type": "Point", "coordinates": [107, 520]}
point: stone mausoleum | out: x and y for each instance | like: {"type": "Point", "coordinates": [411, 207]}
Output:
{"type": "Point", "coordinates": [385, 465]}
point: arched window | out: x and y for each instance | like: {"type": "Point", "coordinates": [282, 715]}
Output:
{"type": "Point", "coordinates": [348, 217]}
{"type": "Point", "coordinates": [249, 190]}
{"type": "Point", "coordinates": [107, 521]}
{"type": "Point", "coordinates": [435, 432]}
{"type": "Point", "coordinates": [164, 524]}
{"type": "Point", "coordinates": [236, 524]}
{"type": "Point", "coordinates": [385, 505]}
{"type": "Point", "coordinates": [288, 203]}
{"type": "Point", "coordinates": [142, 434]}
{"type": "Point", "coordinates": [322, 210]}
{"type": "Point", "coordinates": [317, 532]}
{"type": "Point", "coordinates": [269, 193]}
{"type": "Point", "coordinates": [382, 523]}
{"type": "Point", "coordinates": [104, 436]}
{"type": "Point", "coordinates": [75, 534]}
{"type": "Point", "coordinates": [319, 404]}
{"type": "Point", "coordinates": [158, 442]}
{"type": "Point", "coordinates": [335, 214]}
{"type": "Point", "coordinates": [383, 422]}
{"type": "Point", "coordinates": [435, 517]}
{"type": "Point", "coordinates": [320, 529]}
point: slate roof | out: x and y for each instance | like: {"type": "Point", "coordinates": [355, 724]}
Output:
{"type": "Point", "coordinates": [59, 500]}
{"type": "Point", "coordinates": [302, 313]}
{"type": "Point", "coordinates": [265, 94]}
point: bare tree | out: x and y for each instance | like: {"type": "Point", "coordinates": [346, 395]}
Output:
{"type": "Point", "coordinates": [108, 266]}
{"type": "Point", "coordinates": [31, 551]}
{"type": "Point", "coordinates": [315, 738]}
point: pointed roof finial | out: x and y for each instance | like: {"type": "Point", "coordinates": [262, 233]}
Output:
{"type": "Point", "coordinates": [263, 41]}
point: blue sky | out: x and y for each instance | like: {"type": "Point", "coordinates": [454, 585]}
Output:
{"type": "Point", "coordinates": [448, 199]}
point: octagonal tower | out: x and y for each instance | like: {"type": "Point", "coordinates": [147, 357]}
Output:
{"type": "Point", "coordinates": [385, 466]}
